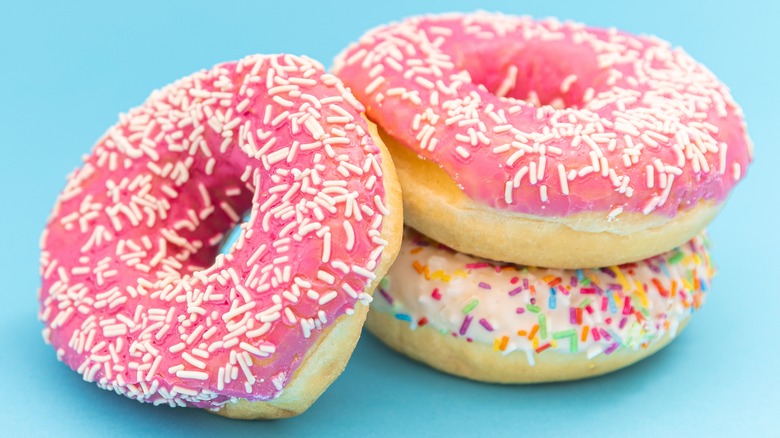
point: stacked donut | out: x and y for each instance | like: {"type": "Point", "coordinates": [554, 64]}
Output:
{"type": "Point", "coordinates": [556, 180]}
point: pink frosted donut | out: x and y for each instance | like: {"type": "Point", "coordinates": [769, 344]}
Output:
{"type": "Point", "coordinates": [134, 296]}
{"type": "Point", "coordinates": [586, 147]}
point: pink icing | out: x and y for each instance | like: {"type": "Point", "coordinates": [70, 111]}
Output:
{"type": "Point", "coordinates": [550, 118]}
{"type": "Point", "coordinates": [132, 296]}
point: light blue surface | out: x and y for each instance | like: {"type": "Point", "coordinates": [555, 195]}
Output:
{"type": "Point", "coordinates": [66, 70]}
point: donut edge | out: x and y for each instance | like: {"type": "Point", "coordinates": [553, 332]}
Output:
{"type": "Point", "coordinates": [477, 361]}
{"type": "Point", "coordinates": [328, 358]}
{"type": "Point", "coordinates": [436, 207]}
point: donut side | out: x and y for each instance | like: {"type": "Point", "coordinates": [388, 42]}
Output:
{"type": "Point", "coordinates": [329, 356]}
{"type": "Point", "coordinates": [434, 205]}
{"type": "Point", "coordinates": [480, 362]}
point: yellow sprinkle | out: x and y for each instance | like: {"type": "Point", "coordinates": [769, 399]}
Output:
{"type": "Point", "coordinates": [640, 290]}
{"type": "Point", "coordinates": [461, 273]}
{"type": "Point", "coordinates": [618, 300]}
{"type": "Point", "coordinates": [621, 278]}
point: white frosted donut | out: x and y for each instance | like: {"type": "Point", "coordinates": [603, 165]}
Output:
{"type": "Point", "coordinates": [506, 323]}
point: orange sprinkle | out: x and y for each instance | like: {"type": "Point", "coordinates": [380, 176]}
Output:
{"type": "Point", "coordinates": [418, 267]}
{"type": "Point", "coordinates": [673, 292]}
{"type": "Point", "coordinates": [697, 300]}
{"type": "Point", "coordinates": [584, 336]}
{"type": "Point", "coordinates": [504, 342]}
{"type": "Point", "coordinates": [415, 250]}
{"type": "Point", "coordinates": [521, 333]}
{"type": "Point", "coordinates": [660, 287]}
{"type": "Point", "coordinates": [533, 332]}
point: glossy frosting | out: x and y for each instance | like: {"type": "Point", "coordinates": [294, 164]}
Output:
{"type": "Point", "coordinates": [550, 119]}
{"type": "Point", "coordinates": [517, 308]}
{"type": "Point", "coordinates": [132, 296]}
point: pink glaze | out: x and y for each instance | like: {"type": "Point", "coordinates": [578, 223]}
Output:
{"type": "Point", "coordinates": [132, 295]}
{"type": "Point", "coordinates": [550, 118]}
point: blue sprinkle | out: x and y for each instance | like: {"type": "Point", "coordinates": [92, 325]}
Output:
{"type": "Point", "coordinates": [552, 303]}
{"type": "Point", "coordinates": [612, 306]}
{"type": "Point", "coordinates": [403, 317]}
{"type": "Point", "coordinates": [665, 269]}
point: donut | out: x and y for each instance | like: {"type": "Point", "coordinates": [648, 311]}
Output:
{"type": "Point", "coordinates": [135, 296]}
{"type": "Point", "coordinates": [584, 147]}
{"type": "Point", "coordinates": [505, 323]}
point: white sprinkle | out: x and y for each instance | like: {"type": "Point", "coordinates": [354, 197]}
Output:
{"type": "Point", "coordinates": [196, 375]}
{"type": "Point", "coordinates": [327, 297]}
{"type": "Point", "coordinates": [463, 152]}
{"type": "Point", "coordinates": [562, 178]}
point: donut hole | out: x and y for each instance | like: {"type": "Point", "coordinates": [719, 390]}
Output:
{"type": "Point", "coordinates": [537, 72]}
{"type": "Point", "coordinates": [228, 244]}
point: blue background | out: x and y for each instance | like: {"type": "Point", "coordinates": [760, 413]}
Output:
{"type": "Point", "coordinates": [66, 70]}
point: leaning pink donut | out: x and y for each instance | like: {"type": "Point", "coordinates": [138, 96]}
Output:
{"type": "Point", "coordinates": [132, 296]}
{"type": "Point", "coordinates": [584, 147]}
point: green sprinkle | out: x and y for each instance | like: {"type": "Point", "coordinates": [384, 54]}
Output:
{"type": "Point", "coordinates": [470, 306]}
{"type": "Point", "coordinates": [572, 335]}
{"type": "Point", "coordinates": [383, 283]}
{"type": "Point", "coordinates": [534, 309]}
{"type": "Point", "coordinates": [585, 303]}
{"type": "Point", "coordinates": [542, 326]}
{"type": "Point", "coordinates": [676, 258]}
{"type": "Point", "coordinates": [585, 281]}
{"type": "Point", "coordinates": [564, 334]}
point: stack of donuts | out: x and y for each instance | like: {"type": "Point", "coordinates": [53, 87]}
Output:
{"type": "Point", "coordinates": [556, 183]}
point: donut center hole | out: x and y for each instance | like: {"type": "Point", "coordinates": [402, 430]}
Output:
{"type": "Point", "coordinates": [227, 246]}
{"type": "Point", "coordinates": [553, 73]}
